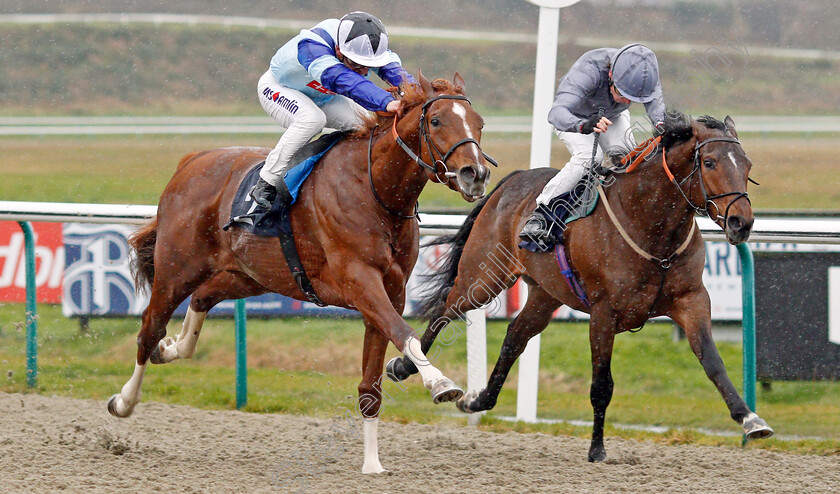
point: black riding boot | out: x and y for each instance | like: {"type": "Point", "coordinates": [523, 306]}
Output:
{"type": "Point", "coordinates": [263, 193]}
{"type": "Point", "coordinates": [540, 227]}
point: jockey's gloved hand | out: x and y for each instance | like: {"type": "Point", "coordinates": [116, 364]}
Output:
{"type": "Point", "coordinates": [589, 126]}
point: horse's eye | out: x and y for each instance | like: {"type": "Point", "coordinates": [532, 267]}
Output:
{"type": "Point", "coordinates": [434, 121]}
{"type": "Point", "coordinates": [709, 163]}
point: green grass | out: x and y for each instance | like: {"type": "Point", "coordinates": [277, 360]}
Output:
{"type": "Point", "coordinates": [312, 367]}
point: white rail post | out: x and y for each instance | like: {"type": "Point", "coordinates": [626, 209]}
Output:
{"type": "Point", "coordinates": [546, 68]}
{"type": "Point", "coordinates": [476, 355]}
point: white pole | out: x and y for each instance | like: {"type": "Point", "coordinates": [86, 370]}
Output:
{"type": "Point", "coordinates": [546, 68]}
{"type": "Point", "coordinates": [476, 355]}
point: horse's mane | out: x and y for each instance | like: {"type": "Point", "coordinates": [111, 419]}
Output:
{"type": "Point", "coordinates": [412, 95]}
{"type": "Point", "coordinates": [676, 129]}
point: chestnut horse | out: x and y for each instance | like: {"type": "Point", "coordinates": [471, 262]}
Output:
{"type": "Point", "coordinates": [355, 231]}
{"type": "Point", "coordinates": [645, 261]}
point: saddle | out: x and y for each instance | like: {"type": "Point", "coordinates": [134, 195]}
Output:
{"type": "Point", "coordinates": [276, 221]}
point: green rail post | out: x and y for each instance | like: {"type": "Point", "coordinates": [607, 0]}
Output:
{"type": "Point", "coordinates": [31, 308]}
{"type": "Point", "coordinates": [748, 317]}
{"type": "Point", "coordinates": [241, 356]}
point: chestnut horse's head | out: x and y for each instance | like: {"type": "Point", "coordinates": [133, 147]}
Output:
{"type": "Point", "coordinates": [449, 135]}
{"type": "Point", "coordinates": [717, 182]}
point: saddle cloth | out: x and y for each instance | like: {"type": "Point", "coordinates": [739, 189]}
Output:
{"type": "Point", "coordinates": [244, 211]}
{"type": "Point", "coordinates": [566, 208]}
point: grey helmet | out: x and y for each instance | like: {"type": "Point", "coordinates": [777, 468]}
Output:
{"type": "Point", "coordinates": [362, 39]}
{"type": "Point", "coordinates": [635, 73]}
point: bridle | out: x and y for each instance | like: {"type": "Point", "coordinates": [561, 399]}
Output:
{"type": "Point", "coordinates": [644, 150]}
{"type": "Point", "coordinates": [437, 155]}
{"type": "Point", "coordinates": [707, 199]}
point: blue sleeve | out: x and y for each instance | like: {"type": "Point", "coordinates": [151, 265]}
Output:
{"type": "Point", "coordinates": [394, 74]}
{"type": "Point", "coordinates": [345, 82]}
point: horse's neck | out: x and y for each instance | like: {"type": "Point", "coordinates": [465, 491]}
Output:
{"type": "Point", "coordinates": [397, 178]}
{"type": "Point", "coordinates": [651, 208]}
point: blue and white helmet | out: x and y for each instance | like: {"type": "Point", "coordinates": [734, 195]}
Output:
{"type": "Point", "coordinates": [635, 73]}
{"type": "Point", "coordinates": [362, 39]}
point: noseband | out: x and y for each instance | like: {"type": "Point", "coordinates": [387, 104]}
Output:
{"type": "Point", "coordinates": [707, 199]}
{"type": "Point", "coordinates": [436, 154]}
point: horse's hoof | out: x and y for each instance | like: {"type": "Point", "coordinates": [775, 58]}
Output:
{"type": "Point", "coordinates": [756, 428]}
{"type": "Point", "coordinates": [397, 370]}
{"type": "Point", "coordinates": [157, 354]}
{"type": "Point", "coordinates": [597, 455]}
{"type": "Point", "coordinates": [465, 401]}
{"type": "Point", "coordinates": [112, 407]}
{"type": "Point", "coordinates": [446, 390]}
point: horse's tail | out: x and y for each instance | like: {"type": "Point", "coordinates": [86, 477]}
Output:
{"type": "Point", "coordinates": [440, 281]}
{"type": "Point", "coordinates": [143, 264]}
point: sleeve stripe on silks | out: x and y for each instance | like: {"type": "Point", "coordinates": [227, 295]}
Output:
{"type": "Point", "coordinates": [324, 35]}
{"type": "Point", "coordinates": [345, 82]}
{"type": "Point", "coordinates": [394, 74]}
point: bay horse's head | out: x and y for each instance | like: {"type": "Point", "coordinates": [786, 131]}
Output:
{"type": "Point", "coordinates": [449, 135]}
{"type": "Point", "coordinates": [716, 184]}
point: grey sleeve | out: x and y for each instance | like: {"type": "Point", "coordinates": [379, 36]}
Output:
{"type": "Point", "coordinates": [656, 107]}
{"type": "Point", "coordinates": [561, 117]}
{"type": "Point", "coordinates": [574, 89]}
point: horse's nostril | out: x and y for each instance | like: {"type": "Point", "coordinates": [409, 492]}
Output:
{"type": "Point", "coordinates": [735, 223]}
{"type": "Point", "coordinates": [468, 173]}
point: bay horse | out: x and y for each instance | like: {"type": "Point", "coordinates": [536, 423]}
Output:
{"type": "Point", "coordinates": [637, 255]}
{"type": "Point", "coordinates": [356, 232]}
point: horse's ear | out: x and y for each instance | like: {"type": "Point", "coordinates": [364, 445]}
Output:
{"type": "Point", "coordinates": [425, 84]}
{"type": "Point", "coordinates": [730, 126]}
{"type": "Point", "coordinates": [460, 85]}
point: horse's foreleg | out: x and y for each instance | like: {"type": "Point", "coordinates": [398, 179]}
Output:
{"type": "Point", "coordinates": [693, 314]}
{"type": "Point", "coordinates": [601, 338]}
{"type": "Point", "coordinates": [531, 321]}
{"type": "Point", "coordinates": [472, 289]}
{"type": "Point", "coordinates": [367, 293]}
{"type": "Point", "coordinates": [370, 395]}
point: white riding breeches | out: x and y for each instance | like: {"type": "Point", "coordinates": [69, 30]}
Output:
{"type": "Point", "coordinates": [580, 147]}
{"type": "Point", "coordinates": [303, 120]}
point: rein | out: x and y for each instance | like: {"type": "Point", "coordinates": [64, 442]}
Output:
{"type": "Point", "coordinates": [373, 188]}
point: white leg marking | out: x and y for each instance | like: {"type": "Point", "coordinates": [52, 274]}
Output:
{"type": "Point", "coordinates": [184, 345]}
{"type": "Point", "coordinates": [130, 394]}
{"type": "Point", "coordinates": [458, 109]}
{"type": "Point", "coordinates": [430, 374]}
{"type": "Point", "coordinates": [371, 464]}
{"type": "Point", "coordinates": [732, 157]}
{"type": "Point", "coordinates": [751, 416]}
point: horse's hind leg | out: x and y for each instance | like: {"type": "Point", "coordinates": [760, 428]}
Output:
{"type": "Point", "coordinates": [222, 286]}
{"type": "Point", "coordinates": [692, 313]}
{"type": "Point", "coordinates": [531, 321]}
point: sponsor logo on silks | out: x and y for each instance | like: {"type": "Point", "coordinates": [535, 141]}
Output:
{"type": "Point", "coordinates": [289, 104]}
{"type": "Point", "coordinates": [318, 87]}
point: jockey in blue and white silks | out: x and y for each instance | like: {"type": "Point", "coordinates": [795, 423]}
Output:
{"type": "Point", "coordinates": [320, 79]}
{"type": "Point", "coordinates": [606, 78]}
